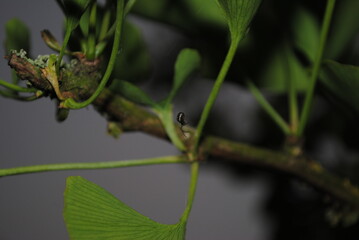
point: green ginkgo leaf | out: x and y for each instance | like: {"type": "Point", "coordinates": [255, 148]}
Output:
{"type": "Point", "coordinates": [239, 14]}
{"type": "Point", "coordinates": [344, 28]}
{"type": "Point", "coordinates": [131, 92]}
{"type": "Point", "coordinates": [306, 31]}
{"type": "Point", "coordinates": [84, 22]}
{"type": "Point", "coordinates": [343, 81]}
{"type": "Point", "coordinates": [134, 63]}
{"type": "Point", "coordinates": [188, 60]}
{"type": "Point", "coordinates": [17, 35]}
{"type": "Point", "coordinates": [92, 213]}
{"type": "Point", "coordinates": [282, 66]}
{"type": "Point", "coordinates": [74, 9]}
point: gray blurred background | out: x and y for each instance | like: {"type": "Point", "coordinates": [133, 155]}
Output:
{"type": "Point", "coordinates": [31, 205]}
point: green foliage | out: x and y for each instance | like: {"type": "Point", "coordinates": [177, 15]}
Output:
{"type": "Point", "coordinates": [239, 14]}
{"type": "Point", "coordinates": [306, 32]}
{"type": "Point", "coordinates": [85, 22]}
{"type": "Point", "coordinates": [192, 16]}
{"type": "Point", "coordinates": [133, 64]}
{"type": "Point", "coordinates": [73, 10]}
{"type": "Point", "coordinates": [343, 81]}
{"type": "Point", "coordinates": [206, 12]}
{"type": "Point", "coordinates": [50, 40]}
{"type": "Point", "coordinates": [268, 108]}
{"type": "Point", "coordinates": [17, 35]}
{"type": "Point", "coordinates": [188, 60]}
{"type": "Point", "coordinates": [70, 102]}
{"type": "Point", "coordinates": [281, 67]}
{"type": "Point", "coordinates": [93, 213]}
{"type": "Point", "coordinates": [345, 27]}
{"type": "Point", "coordinates": [131, 92]}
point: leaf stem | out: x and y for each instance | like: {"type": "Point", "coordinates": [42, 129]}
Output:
{"type": "Point", "coordinates": [165, 114]}
{"type": "Point", "coordinates": [191, 191]}
{"type": "Point", "coordinates": [215, 90]}
{"type": "Point", "coordinates": [129, 6]}
{"type": "Point", "coordinates": [126, 10]}
{"type": "Point", "coordinates": [94, 165]}
{"type": "Point", "coordinates": [71, 103]}
{"type": "Point", "coordinates": [292, 95]}
{"type": "Point", "coordinates": [12, 95]}
{"type": "Point", "coordinates": [63, 48]}
{"type": "Point", "coordinates": [268, 108]}
{"type": "Point", "coordinates": [15, 87]}
{"type": "Point", "coordinates": [317, 63]}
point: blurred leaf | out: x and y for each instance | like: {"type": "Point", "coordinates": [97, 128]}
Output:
{"type": "Point", "coordinates": [133, 64]}
{"type": "Point", "coordinates": [129, 6]}
{"type": "Point", "coordinates": [281, 66]}
{"type": "Point", "coordinates": [62, 114]}
{"type": "Point", "coordinates": [74, 9]}
{"type": "Point", "coordinates": [93, 213]}
{"type": "Point", "coordinates": [17, 35]}
{"type": "Point", "coordinates": [188, 60]}
{"type": "Point", "coordinates": [206, 11]}
{"type": "Point", "coordinates": [343, 81]}
{"type": "Point", "coordinates": [239, 14]}
{"type": "Point", "coordinates": [85, 22]}
{"type": "Point", "coordinates": [345, 27]}
{"type": "Point", "coordinates": [163, 10]}
{"type": "Point", "coordinates": [50, 40]}
{"type": "Point", "coordinates": [131, 92]}
{"type": "Point", "coordinates": [192, 16]}
{"type": "Point", "coordinates": [306, 31]}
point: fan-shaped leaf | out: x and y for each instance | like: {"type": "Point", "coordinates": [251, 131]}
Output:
{"type": "Point", "coordinates": [343, 81]}
{"type": "Point", "coordinates": [188, 60]}
{"type": "Point", "coordinates": [133, 64]}
{"type": "Point", "coordinates": [92, 213]}
{"type": "Point", "coordinates": [239, 14]}
{"type": "Point", "coordinates": [17, 35]}
{"type": "Point", "coordinates": [345, 27]}
{"type": "Point", "coordinates": [281, 67]}
{"type": "Point", "coordinates": [306, 31]}
{"type": "Point", "coordinates": [74, 10]}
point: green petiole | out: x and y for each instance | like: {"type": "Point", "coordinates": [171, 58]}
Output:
{"type": "Point", "coordinates": [317, 63]}
{"type": "Point", "coordinates": [94, 165]}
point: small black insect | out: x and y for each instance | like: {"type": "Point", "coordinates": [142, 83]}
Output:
{"type": "Point", "coordinates": [181, 119]}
